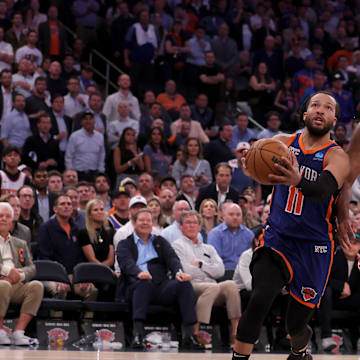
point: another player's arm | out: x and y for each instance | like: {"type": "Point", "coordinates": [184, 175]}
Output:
{"type": "Point", "coordinates": [354, 156]}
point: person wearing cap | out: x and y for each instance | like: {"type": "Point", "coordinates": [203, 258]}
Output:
{"type": "Point", "coordinates": [304, 78]}
{"type": "Point", "coordinates": [11, 178]}
{"type": "Point", "coordinates": [136, 203]}
{"type": "Point", "coordinates": [168, 182]}
{"type": "Point", "coordinates": [344, 98]}
{"type": "Point", "coordinates": [239, 180]}
{"type": "Point", "coordinates": [130, 185]}
{"type": "Point", "coordinates": [120, 203]}
{"type": "Point", "coordinates": [85, 151]}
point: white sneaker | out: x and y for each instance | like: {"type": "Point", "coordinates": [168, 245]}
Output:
{"type": "Point", "coordinates": [20, 339]}
{"type": "Point", "coordinates": [328, 344]}
{"type": "Point", "coordinates": [4, 338]}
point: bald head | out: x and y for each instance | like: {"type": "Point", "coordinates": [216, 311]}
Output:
{"type": "Point", "coordinates": [179, 208]}
{"type": "Point", "coordinates": [233, 216]}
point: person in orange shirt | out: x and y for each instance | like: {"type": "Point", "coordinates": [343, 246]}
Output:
{"type": "Point", "coordinates": [170, 99]}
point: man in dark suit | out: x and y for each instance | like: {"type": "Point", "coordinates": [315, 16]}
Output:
{"type": "Point", "coordinates": [52, 31]}
{"type": "Point", "coordinates": [343, 290]}
{"type": "Point", "coordinates": [220, 190]}
{"type": "Point", "coordinates": [6, 92]}
{"type": "Point", "coordinates": [145, 260]}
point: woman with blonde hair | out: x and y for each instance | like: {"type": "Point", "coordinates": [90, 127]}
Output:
{"type": "Point", "coordinates": [96, 240]}
{"type": "Point", "coordinates": [209, 214]}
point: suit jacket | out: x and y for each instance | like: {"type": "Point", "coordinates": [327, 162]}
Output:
{"type": "Point", "coordinates": [12, 39]}
{"type": "Point", "coordinates": [339, 274]}
{"type": "Point", "coordinates": [54, 126]}
{"type": "Point", "coordinates": [127, 255]}
{"type": "Point", "coordinates": [44, 38]}
{"type": "Point", "coordinates": [22, 232]}
{"type": "Point", "coordinates": [23, 261]}
{"type": "Point", "coordinates": [209, 191]}
{"type": "Point", "coordinates": [2, 100]}
{"type": "Point", "coordinates": [52, 197]}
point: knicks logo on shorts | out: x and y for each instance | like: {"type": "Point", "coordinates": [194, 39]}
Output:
{"type": "Point", "coordinates": [308, 293]}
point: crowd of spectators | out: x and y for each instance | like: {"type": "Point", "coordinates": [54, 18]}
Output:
{"type": "Point", "coordinates": [78, 166]}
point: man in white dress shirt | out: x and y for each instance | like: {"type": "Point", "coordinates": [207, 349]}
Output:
{"type": "Point", "coordinates": [74, 101]}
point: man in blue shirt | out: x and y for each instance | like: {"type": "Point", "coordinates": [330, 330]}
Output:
{"type": "Point", "coordinates": [145, 260]}
{"type": "Point", "coordinates": [231, 239]}
{"type": "Point", "coordinates": [241, 132]}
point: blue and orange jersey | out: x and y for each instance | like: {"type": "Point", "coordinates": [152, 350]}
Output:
{"type": "Point", "coordinates": [294, 215]}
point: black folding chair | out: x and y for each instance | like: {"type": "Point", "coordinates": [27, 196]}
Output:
{"type": "Point", "coordinates": [47, 270]}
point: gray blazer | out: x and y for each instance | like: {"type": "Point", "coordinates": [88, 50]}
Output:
{"type": "Point", "coordinates": [27, 265]}
{"type": "Point", "coordinates": [22, 232]}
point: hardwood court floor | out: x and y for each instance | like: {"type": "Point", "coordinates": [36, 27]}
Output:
{"type": "Point", "coordinates": [93, 355]}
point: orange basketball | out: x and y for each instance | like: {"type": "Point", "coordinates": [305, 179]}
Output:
{"type": "Point", "coordinates": [262, 156]}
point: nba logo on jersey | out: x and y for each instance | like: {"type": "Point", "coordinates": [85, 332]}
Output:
{"type": "Point", "coordinates": [308, 293]}
{"type": "Point", "coordinates": [319, 156]}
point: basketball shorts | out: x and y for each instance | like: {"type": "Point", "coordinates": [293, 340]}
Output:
{"type": "Point", "coordinates": [308, 263]}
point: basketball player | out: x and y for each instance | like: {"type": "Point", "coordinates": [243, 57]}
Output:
{"type": "Point", "coordinates": [296, 247]}
{"type": "Point", "coordinates": [11, 179]}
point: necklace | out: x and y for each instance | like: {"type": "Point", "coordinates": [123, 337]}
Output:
{"type": "Point", "coordinates": [99, 238]}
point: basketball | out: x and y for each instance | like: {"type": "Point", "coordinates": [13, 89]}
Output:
{"type": "Point", "coordinates": [261, 158]}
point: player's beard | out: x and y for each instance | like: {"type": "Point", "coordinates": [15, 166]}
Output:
{"type": "Point", "coordinates": [317, 131]}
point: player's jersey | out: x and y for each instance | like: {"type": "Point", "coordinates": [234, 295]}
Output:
{"type": "Point", "coordinates": [294, 215]}
{"type": "Point", "coordinates": [9, 186]}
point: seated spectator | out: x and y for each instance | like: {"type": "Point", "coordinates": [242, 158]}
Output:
{"type": "Point", "coordinates": [58, 241]}
{"type": "Point", "coordinates": [127, 159]}
{"type": "Point", "coordinates": [130, 185]}
{"type": "Point", "coordinates": [209, 213]}
{"type": "Point", "coordinates": [205, 266]}
{"type": "Point", "coordinates": [4, 19]}
{"type": "Point", "coordinates": [286, 101]}
{"type": "Point", "coordinates": [70, 177]}
{"type": "Point", "coordinates": [177, 141]}
{"type": "Point", "coordinates": [84, 195]}
{"type": "Point", "coordinates": [68, 70]}
{"type": "Point", "coordinates": [340, 132]}
{"type": "Point", "coordinates": [17, 270]}
{"type": "Point", "coordinates": [168, 182]}
{"type": "Point", "coordinates": [15, 127]}
{"type": "Point", "coordinates": [96, 240]}
{"type": "Point", "coordinates": [102, 187]}
{"type": "Point", "coordinates": [342, 292]}
{"type": "Point", "coordinates": [11, 178]}
{"type": "Point", "coordinates": [111, 105]}
{"type": "Point", "coordinates": [157, 159]}
{"type": "Point", "coordinates": [167, 199]}
{"type": "Point", "coordinates": [86, 150]}
{"type": "Point", "coordinates": [158, 220]}
{"type": "Point", "coordinates": [55, 181]}
{"type": "Point", "coordinates": [196, 129]}
{"type": "Point", "coordinates": [231, 239]}
{"type": "Point", "coordinates": [172, 232]}
{"type": "Point", "coordinates": [273, 126]}
{"type": "Point", "coordinates": [225, 49]}
{"type": "Point", "coordinates": [187, 190]}
{"type": "Point", "coordinates": [77, 215]}
{"type": "Point", "coordinates": [28, 215]}
{"type": "Point", "coordinates": [239, 180]}
{"type": "Point", "coordinates": [86, 78]}
{"type": "Point", "coordinates": [6, 92]}
{"type": "Point", "coordinates": [23, 81]}
{"type": "Point", "coordinates": [116, 127]}
{"type": "Point", "coordinates": [218, 150]}
{"type": "Point", "coordinates": [146, 186]}
{"type": "Point", "coordinates": [42, 150]}
{"type": "Point", "coordinates": [6, 53]}
{"type": "Point", "coordinates": [263, 87]}
{"type": "Point", "coordinates": [251, 217]}
{"type": "Point", "coordinates": [120, 203]}
{"type": "Point", "coordinates": [55, 83]}
{"type": "Point", "coordinates": [319, 84]}
{"type": "Point", "coordinates": [170, 99]}
{"type": "Point", "coordinates": [193, 164]}
{"type": "Point", "coordinates": [52, 35]}
{"type": "Point", "coordinates": [146, 281]}
{"type": "Point", "coordinates": [74, 101]}
{"type": "Point", "coordinates": [16, 35]}
{"type": "Point", "coordinates": [304, 78]}
{"type": "Point", "coordinates": [30, 51]}
{"type": "Point", "coordinates": [201, 112]}
{"type": "Point", "coordinates": [210, 77]}
{"type": "Point", "coordinates": [136, 203]}
{"type": "Point", "coordinates": [44, 199]}
{"type": "Point", "coordinates": [241, 131]}
{"type": "Point", "coordinates": [17, 230]}
{"type": "Point", "coordinates": [220, 190]}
